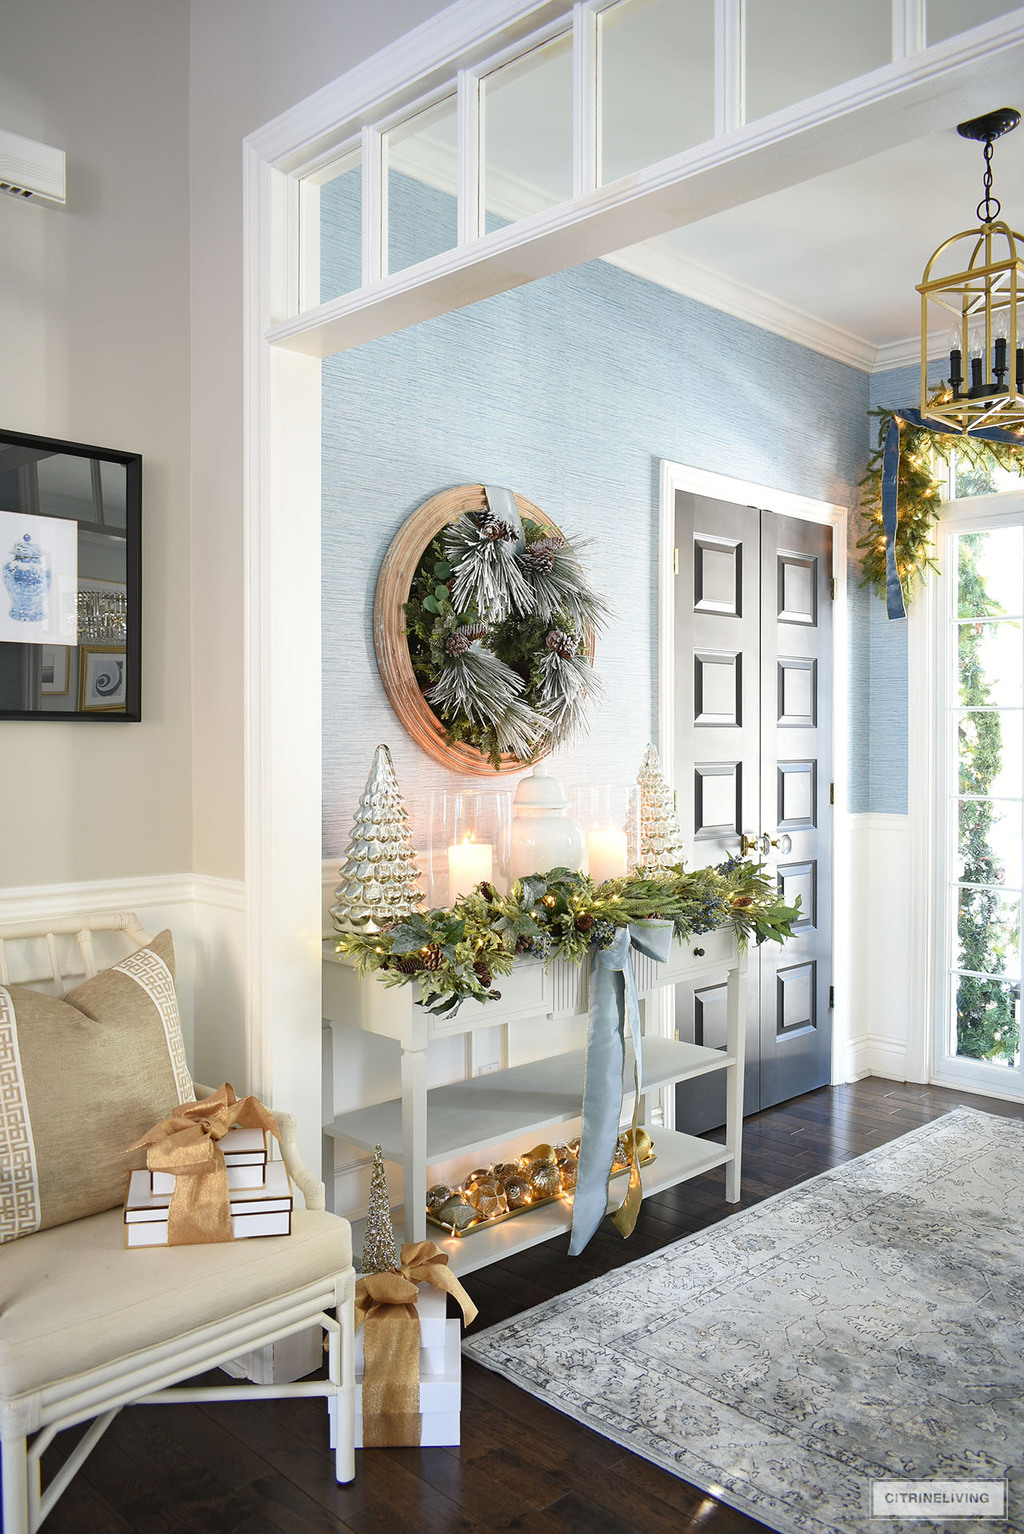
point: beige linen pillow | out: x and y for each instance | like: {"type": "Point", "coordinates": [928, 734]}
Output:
{"type": "Point", "coordinates": [81, 1078]}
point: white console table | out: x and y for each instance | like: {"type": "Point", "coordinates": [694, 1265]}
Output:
{"type": "Point", "coordinates": [465, 1119]}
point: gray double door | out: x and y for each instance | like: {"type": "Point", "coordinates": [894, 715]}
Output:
{"type": "Point", "coordinates": [753, 651]}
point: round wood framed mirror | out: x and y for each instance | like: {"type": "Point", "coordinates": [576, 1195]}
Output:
{"type": "Point", "coordinates": [389, 626]}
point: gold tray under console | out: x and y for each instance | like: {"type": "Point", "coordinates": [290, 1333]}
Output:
{"type": "Point", "coordinates": [537, 1203]}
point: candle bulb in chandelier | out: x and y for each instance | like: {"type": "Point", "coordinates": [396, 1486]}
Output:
{"type": "Point", "coordinates": [977, 346]}
{"type": "Point", "coordinates": [1001, 331]}
{"type": "Point", "coordinates": [956, 358]}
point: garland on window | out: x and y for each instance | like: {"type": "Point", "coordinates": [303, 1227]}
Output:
{"type": "Point", "coordinates": [918, 496]}
{"type": "Point", "coordinates": [455, 953]}
{"type": "Point", "coordinates": [499, 638]}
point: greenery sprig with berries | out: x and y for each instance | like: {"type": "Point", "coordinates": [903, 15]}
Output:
{"type": "Point", "coordinates": [499, 631]}
{"type": "Point", "coordinates": [455, 954]}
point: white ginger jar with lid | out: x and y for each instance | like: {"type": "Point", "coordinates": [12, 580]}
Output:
{"type": "Point", "coordinates": [543, 836]}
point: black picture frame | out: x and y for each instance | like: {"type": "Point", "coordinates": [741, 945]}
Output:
{"type": "Point", "coordinates": [89, 592]}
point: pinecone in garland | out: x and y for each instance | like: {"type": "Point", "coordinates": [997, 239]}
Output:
{"type": "Point", "coordinates": [494, 529]}
{"type": "Point", "coordinates": [409, 964]}
{"type": "Point", "coordinates": [584, 923]}
{"type": "Point", "coordinates": [603, 932]}
{"type": "Point", "coordinates": [522, 944]}
{"type": "Point", "coordinates": [540, 555]}
{"type": "Point", "coordinates": [488, 891]}
{"type": "Point", "coordinates": [432, 957]}
{"type": "Point", "coordinates": [459, 641]}
{"type": "Point", "coordinates": [483, 974]}
{"type": "Point", "coordinates": [562, 643]}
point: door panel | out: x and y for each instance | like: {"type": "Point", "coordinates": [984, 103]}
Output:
{"type": "Point", "coordinates": [796, 774]}
{"type": "Point", "coordinates": [753, 735]}
{"type": "Point", "coordinates": [716, 747]}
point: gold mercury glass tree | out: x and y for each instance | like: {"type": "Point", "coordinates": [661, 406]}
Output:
{"type": "Point", "coordinates": [379, 877]}
{"type": "Point", "coordinates": [380, 1249]}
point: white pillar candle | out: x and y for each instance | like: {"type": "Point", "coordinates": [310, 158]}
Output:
{"type": "Point", "coordinates": [468, 863]}
{"type": "Point", "coordinates": [606, 855]}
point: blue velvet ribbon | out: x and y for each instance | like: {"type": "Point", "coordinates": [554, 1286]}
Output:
{"type": "Point", "coordinates": [614, 1004]}
{"type": "Point", "coordinates": [894, 603]}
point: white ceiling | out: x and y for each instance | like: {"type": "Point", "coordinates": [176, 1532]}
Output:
{"type": "Point", "coordinates": [848, 248]}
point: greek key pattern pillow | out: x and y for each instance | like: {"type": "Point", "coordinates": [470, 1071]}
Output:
{"type": "Point", "coordinates": [81, 1078]}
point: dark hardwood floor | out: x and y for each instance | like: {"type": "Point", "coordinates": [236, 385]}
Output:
{"type": "Point", "coordinates": [264, 1468]}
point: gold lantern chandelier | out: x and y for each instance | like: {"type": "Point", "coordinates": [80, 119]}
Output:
{"type": "Point", "coordinates": [978, 278]}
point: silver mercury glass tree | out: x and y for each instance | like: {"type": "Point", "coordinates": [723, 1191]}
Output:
{"type": "Point", "coordinates": [661, 839]}
{"type": "Point", "coordinates": [379, 877]}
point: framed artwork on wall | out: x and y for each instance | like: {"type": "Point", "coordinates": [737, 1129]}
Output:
{"type": "Point", "coordinates": [101, 678]}
{"type": "Point", "coordinates": [70, 580]}
{"type": "Point", "coordinates": [54, 672]}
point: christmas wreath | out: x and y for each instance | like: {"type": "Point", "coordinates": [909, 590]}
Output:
{"type": "Point", "coordinates": [500, 623]}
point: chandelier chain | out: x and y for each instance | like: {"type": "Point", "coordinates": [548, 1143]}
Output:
{"type": "Point", "coordinates": [989, 207]}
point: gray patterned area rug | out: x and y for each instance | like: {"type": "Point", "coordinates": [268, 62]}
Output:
{"type": "Point", "coordinates": [867, 1324]}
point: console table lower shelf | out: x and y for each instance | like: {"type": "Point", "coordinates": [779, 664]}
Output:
{"type": "Point", "coordinates": [677, 1158]}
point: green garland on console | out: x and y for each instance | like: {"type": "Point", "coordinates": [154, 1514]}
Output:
{"type": "Point", "coordinates": [499, 639]}
{"type": "Point", "coordinates": [455, 953]}
{"type": "Point", "coordinates": [918, 496]}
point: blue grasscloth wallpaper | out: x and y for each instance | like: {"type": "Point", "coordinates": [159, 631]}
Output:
{"type": "Point", "coordinates": [570, 390]}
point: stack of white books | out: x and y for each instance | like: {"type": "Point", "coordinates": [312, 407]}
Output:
{"type": "Point", "coordinates": [260, 1193]}
{"type": "Point", "coordinates": [440, 1374]}
{"type": "Point", "coordinates": [245, 1154]}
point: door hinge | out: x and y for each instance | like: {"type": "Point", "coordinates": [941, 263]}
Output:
{"type": "Point", "coordinates": [831, 995]}
{"type": "Point", "coordinates": [831, 793]}
{"type": "Point", "coordinates": [675, 561]}
{"type": "Point", "coordinates": [833, 588]}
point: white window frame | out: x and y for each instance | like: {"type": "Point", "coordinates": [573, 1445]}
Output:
{"type": "Point", "coordinates": [933, 831]}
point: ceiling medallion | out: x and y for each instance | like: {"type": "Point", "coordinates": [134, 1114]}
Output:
{"type": "Point", "coordinates": [978, 277]}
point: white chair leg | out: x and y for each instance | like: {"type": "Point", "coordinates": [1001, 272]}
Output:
{"type": "Point", "coordinates": [342, 1351]}
{"type": "Point", "coordinates": [15, 1486]}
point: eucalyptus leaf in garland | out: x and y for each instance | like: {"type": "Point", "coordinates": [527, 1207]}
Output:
{"type": "Point", "coordinates": [457, 953]}
{"type": "Point", "coordinates": [918, 496]}
{"type": "Point", "coordinates": [499, 634]}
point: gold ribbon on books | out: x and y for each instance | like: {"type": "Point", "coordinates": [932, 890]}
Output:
{"type": "Point", "coordinates": [187, 1144]}
{"type": "Point", "coordinates": [386, 1302]}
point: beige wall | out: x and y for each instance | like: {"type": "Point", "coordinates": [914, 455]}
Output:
{"type": "Point", "coordinates": [98, 321]}
{"type": "Point", "coordinates": [251, 60]}
{"type": "Point", "coordinates": [94, 327]}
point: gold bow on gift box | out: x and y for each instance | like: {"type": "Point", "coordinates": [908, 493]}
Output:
{"type": "Point", "coordinates": [391, 1342]}
{"type": "Point", "coordinates": [187, 1144]}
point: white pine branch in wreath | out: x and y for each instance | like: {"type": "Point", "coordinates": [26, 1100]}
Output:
{"type": "Point", "coordinates": [487, 575]}
{"type": "Point", "coordinates": [480, 687]}
{"type": "Point", "coordinates": [566, 683]}
{"type": "Point", "coordinates": [560, 589]}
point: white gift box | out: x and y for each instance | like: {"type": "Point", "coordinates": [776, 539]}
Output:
{"type": "Point", "coordinates": [245, 1155]}
{"type": "Point", "coordinates": [263, 1211]}
{"type": "Point", "coordinates": [440, 1374]}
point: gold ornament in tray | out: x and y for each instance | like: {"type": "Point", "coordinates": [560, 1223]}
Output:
{"type": "Point", "coordinates": [541, 1176]}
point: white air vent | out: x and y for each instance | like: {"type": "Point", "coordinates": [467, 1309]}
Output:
{"type": "Point", "coordinates": [31, 170]}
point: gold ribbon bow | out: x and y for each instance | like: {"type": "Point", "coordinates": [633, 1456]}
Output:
{"type": "Point", "coordinates": [391, 1342]}
{"type": "Point", "coordinates": [187, 1144]}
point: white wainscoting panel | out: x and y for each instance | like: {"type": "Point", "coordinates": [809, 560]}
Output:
{"type": "Point", "coordinates": [882, 1028]}
{"type": "Point", "coordinates": [207, 919]}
